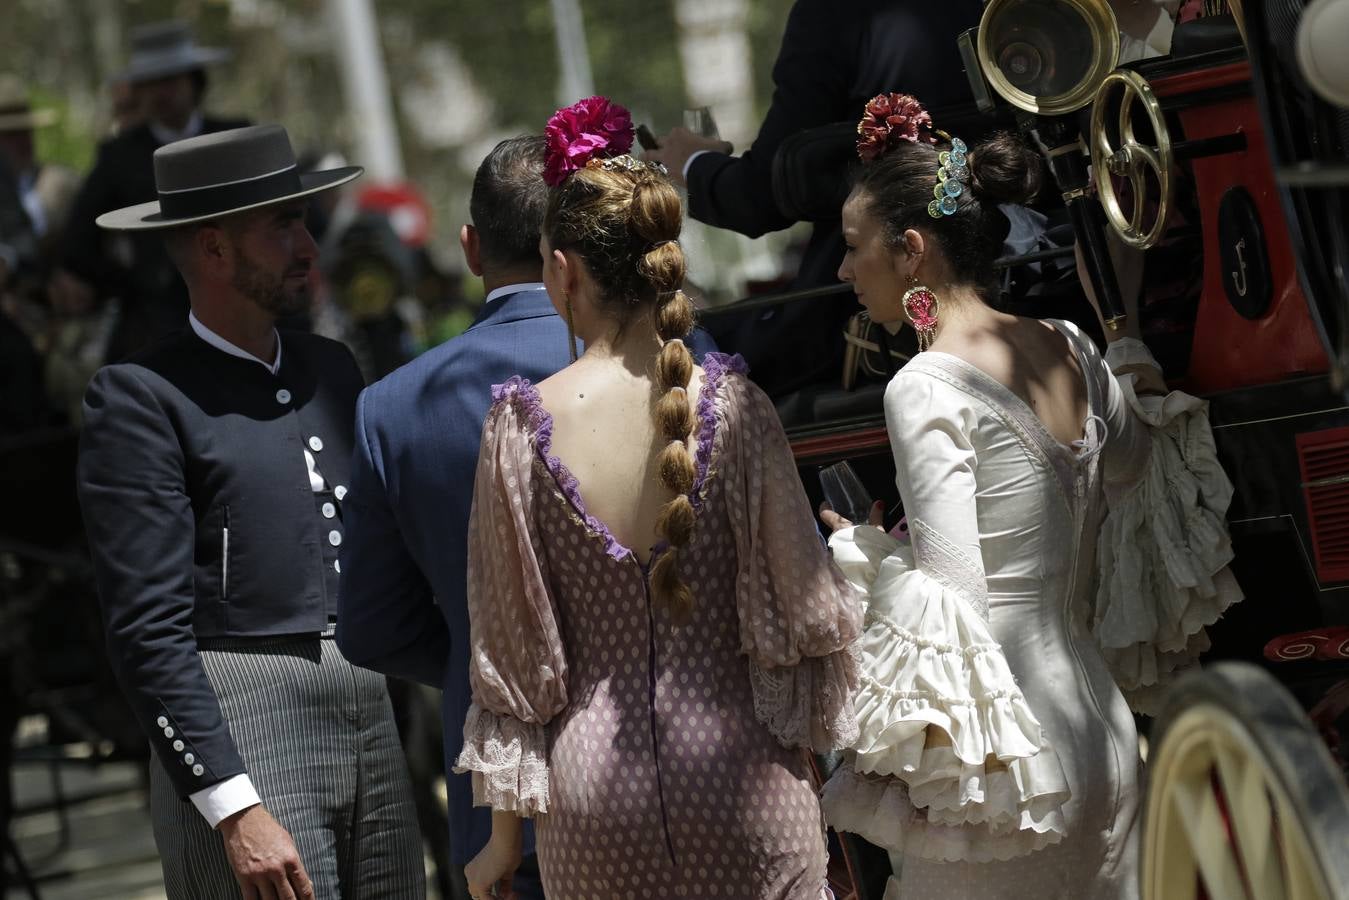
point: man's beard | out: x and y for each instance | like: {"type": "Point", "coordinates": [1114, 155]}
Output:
{"type": "Point", "coordinates": [267, 291]}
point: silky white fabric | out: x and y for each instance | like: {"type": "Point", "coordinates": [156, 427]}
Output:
{"type": "Point", "coordinates": [998, 759]}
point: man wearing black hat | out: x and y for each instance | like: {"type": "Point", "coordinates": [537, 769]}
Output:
{"type": "Point", "coordinates": [212, 472]}
{"type": "Point", "coordinates": [167, 74]}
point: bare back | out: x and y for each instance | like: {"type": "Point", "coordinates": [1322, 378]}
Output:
{"type": "Point", "coordinates": [605, 434]}
{"type": "Point", "coordinates": [1035, 362]}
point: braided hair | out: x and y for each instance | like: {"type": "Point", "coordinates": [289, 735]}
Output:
{"type": "Point", "coordinates": [624, 221]}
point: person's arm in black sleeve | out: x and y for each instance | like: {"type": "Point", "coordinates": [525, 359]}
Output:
{"type": "Point", "coordinates": [811, 80]}
{"type": "Point", "coordinates": [83, 255]}
{"type": "Point", "coordinates": [140, 525]}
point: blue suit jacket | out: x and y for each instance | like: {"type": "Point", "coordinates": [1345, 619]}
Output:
{"type": "Point", "coordinates": [402, 606]}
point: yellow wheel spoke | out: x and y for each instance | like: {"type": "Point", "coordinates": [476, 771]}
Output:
{"type": "Point", "coordinates": [1207, 837]}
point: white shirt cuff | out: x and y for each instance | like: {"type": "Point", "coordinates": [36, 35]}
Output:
{"type": "Point", "coordinates": [220, 801]}
{"type": "Point", "coordinates": [689, 162]}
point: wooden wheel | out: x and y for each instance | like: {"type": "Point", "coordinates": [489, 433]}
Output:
{"type": "Point", "coordinates": [1244, 800]}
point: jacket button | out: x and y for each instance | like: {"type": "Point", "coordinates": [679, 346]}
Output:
{"type": "Point", "coordinates": [162, 722]}
{"type": "Point", "coordinates": [335, 538]}
{"type": "Point", "coordinates": [197, 770]}
{"type": "Point", "coordinates": [329, 510]}
{"type": "Point", "coordinates": [189, 758]}
{"type": "Point", "coordinates": [337, 566]}
{"type": "Point", "coordinates": [168, 732]}
{"type": "Point", "coordinates": [340, 492]}
{"type": "Point", "coordinates": [178, 746]}
{"type": "Point", "coordinates": [283, 396]}
{"type": "Point", "coordinates": [315, 443]}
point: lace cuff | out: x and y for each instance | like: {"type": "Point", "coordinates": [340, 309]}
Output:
{"type": "Point", "coordinates": [509, 762]}
{"type": "Point", "coordinates": [1163, 552]}
{"type": "Point", "coordinates": [809, 704]}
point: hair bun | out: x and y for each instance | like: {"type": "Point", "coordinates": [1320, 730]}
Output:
{"type": "Point", "coordinates": [1005, 169]}
{"type": "Point", "coordinates": [656, 213]}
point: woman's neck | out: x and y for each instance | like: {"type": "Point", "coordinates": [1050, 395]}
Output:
{"type": "Point", "coordinates": [961, 312]}
{"type": "Point", "coordinates": [634, 344]}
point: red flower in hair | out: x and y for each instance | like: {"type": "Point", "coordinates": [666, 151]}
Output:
{"type": "Point", "coordinates": [593, 128]}
{"type": "Point", "coordinates": [890, 118]}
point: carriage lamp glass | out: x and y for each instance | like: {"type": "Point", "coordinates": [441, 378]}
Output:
{"type": "Point", "coordinates": [1047, 56]}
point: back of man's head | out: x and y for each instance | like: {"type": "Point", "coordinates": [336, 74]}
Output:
{"type": "Point", "coordinates": [507, 204]}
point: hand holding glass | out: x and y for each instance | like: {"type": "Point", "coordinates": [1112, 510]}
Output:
{"type": "Point", "coordinates": [845, 493]}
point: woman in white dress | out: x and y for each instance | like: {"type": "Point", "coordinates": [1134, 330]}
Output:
{"type": "Point", "coordinates": [1067, 547]}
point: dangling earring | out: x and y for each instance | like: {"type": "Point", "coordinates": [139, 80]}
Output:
{"type": "Point", "coordinates": [920, 305]}
{"type": "Point", "coordinates": [571, 328]}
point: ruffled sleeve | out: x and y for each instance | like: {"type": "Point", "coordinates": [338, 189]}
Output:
{"type": "Point", "coordinates": [1164, 548]}
{"type": "Point", "coordinates": [951, 762]}
{"type": "Point", "coordinates": [798, 614]}
{"type": "Point", "coordinates": [517, 670]}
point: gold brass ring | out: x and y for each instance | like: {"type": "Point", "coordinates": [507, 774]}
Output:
{"type": "Point", "coordinates": [1131, 160]}
{"type": "Point", "coordinates": [1042, 25]}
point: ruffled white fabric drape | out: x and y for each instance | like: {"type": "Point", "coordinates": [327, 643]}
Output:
{"type": "Point", "coordinates": [950, 762]}
{"type": "Point", "coordinates": [1164, 548]}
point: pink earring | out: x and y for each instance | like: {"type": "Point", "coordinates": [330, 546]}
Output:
{"type": "Point", "coordinates": [921, 306]}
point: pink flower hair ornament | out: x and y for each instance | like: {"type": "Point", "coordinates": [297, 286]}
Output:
{"type": "Point", "coordinates": [890, 118]}
{"type": "Point", "coordinates": [593, 128]}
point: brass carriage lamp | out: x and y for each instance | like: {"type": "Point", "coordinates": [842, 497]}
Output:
{"type": "Point", "coordinates": [1047, 58]}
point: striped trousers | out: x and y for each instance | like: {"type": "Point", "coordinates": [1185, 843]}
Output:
{"type": "Point", "coordinates": [318, 739]}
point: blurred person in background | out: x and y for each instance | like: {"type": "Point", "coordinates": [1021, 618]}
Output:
{"type": "Point", "coordinates": [24, 219]}
{"type": "Point", "coordinates": [367, 275]}
{"type": "Point", "coordinates": [124, 106]}
{"type": "Point", "coordinates": [446, 312]}
{"type": "Point", "coordinates": [168, 82]}
{"type": "Point", "coordinates": [833, 59]}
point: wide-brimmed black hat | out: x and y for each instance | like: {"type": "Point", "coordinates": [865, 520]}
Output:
{"type": "Point", "coordinates": [166, 48]}
{"type": "Point", "coordinates": [225, 172]}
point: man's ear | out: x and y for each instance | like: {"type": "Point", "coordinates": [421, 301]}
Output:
{"type": "Point", "coordinates": [469, 241]}
{"type": "Point", "coordinates": [215, 256]}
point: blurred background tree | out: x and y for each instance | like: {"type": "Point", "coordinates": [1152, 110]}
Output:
{"type": "Point", "coordinates": [462, 75]}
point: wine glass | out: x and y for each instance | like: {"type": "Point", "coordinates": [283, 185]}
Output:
{"type": "Point", "coordinates": [699, 120]}
{"type": "Point", "coordinates": [845, 492]}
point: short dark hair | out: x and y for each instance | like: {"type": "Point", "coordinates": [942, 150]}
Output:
{"type": "Point", "coordinates": [508, 201]}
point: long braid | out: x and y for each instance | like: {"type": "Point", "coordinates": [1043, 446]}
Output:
{"type": "Point", "coordinates": [625, 222]}
{"type": "Point", "coordinates": [654, 217]}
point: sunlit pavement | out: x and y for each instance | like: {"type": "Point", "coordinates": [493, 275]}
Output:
{"type": "Point", "coordinates": [109, 851]}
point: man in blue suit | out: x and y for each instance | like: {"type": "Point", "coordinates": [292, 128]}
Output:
{"type": "Point", "coordinates": [404, 561]}
{"type": "Point", "coordinates": [405, 558]}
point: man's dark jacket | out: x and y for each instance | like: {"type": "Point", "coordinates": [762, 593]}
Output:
{"type": "Point", "coordinates": [833, 59]}
{"type": "Point", "coordinates": [133, 267]}
{"type": "Point", "coordinates": [203, 523]}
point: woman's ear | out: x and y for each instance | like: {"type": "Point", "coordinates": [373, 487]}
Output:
{"type": "Point", "coordinates": [915, 244]}
{"type": "Point", "coordinates": [571, 270]}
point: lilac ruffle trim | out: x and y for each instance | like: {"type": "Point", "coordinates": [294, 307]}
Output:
{"type": "Point", "coordinates": [715, 367]}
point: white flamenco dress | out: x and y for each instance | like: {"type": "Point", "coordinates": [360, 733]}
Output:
{"type": "Point", "coordinates": [997, 755]}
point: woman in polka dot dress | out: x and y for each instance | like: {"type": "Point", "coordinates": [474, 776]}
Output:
{"type": "Point", "coordinates": [646, 706]}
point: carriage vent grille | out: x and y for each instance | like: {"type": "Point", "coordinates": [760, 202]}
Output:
{"type": "Point", "coordinates": [1324, 460]}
